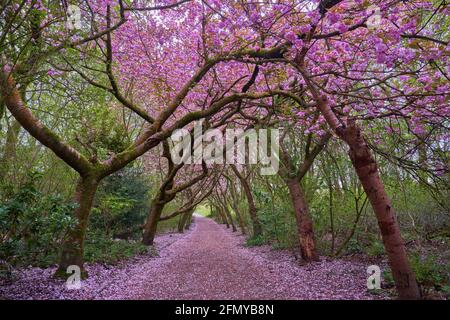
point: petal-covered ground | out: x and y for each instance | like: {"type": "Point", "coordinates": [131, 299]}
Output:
{"type": "Point", "coordinates": [207, 262]}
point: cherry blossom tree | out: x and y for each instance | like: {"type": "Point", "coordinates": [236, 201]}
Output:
{"type": "Point", "coordinates": [351, 65]}
{"type": "Point", "coordinates": [99, 45]}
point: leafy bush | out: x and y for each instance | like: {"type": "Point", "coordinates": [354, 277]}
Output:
{"type": "Point", "coordinates": [430, 272]}
{"type": "Point", "coordinates": [100, 248]}
{"type": "Point", "coordinates": [121, 204]}
{"type": "Point", "coordinates": [376, 249]}
{"type": "Point", "coordinates": [33, 225]}
{"type": "Point", "coordinates": [256, 241]}
{"type": "Point", "coordinates": [120, 208]}
{"type": "Point", "coordinates": [278, 223]}
{"type": "Point", "coordinates": [353, 246]}
{"type": "Point", "coordinates": [388, 279]}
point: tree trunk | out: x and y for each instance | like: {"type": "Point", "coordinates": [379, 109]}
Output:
{"type": "Point", "coordinates": [230, 218]}
{"type": "Point", "coordinates": [189, 220]}
{"type": "Point", "coordinates": [219, 215]}
{"type": "Point", "coordinates": [9, 151]}
{"type": "Point", "coordinates": [304, 221]}
{"type": "Point", "coordinates": [239, 218]}
{"type": "Point", "coordinates": [72, 249]}
{"type": "Point", "coordinates": [182, 223]}
{"type": "Point", "coordinates": [367, 171]}
{"type": "Point", "coordinates": [257, 229]}
{"type": "Point", "coordinates": [330, 199]}
{"type": "Point", "coordinates": [152, 222]}
{"type": "Point", "coordinates": [235, 206]}
{"type": "Point", "coordinates": [223, 216]}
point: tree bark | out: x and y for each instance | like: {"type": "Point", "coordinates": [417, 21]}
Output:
{"type": "Point", "coordinates": [230, 218]}
{"type": "Point", "coordinates": [151, 224]}
{"type": "Point", "coordinates": [72, 249]}
{"type": "Point", "coordinates": [223, 216]}
{"type": "Point", "coordinates": [235, 206]}
{"type": "Point", "coordinates": [257, 229]}
{"type": "Point", "coordinates": [240, 219]}
{"type": "Point", "coordinates": [367, 171]}
{"type": "Point", "coordinates": [292, 174]}
{"type": "Point", "coordinates": [304, 222]}
{"type": "Point", "coordinates": [9, 151]}
{"type": "Point", "coordinates": [189, 220]}
{"type": "Point", "coordinates": [183, 222]}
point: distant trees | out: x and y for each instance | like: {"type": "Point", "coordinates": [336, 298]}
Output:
{"type": "Point", "coordinates": [292, 174]}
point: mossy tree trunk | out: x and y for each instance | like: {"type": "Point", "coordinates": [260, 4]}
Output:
{"type": "Point", "coordinates": [253, 212]}
{"type": "Point", "coordinates": [184, 221]}
{"type": "Point", "coordinates": [151, 224]}
{"type": "Point", "coordinates": [72, 248]}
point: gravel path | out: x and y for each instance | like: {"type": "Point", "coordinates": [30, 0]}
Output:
{"type": "Point", "coordinates": [212, 263]}
{"type": "Point", "coordinates": [207, 262]}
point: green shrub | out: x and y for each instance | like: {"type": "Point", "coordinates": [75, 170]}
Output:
{"type": "Point", "coordinates": [387, 278]}
{"type": "Point", "coordinates": [446, 290]}
{"type": "Point", "coordinates": [376, 249]}
{"type": "Point", "coordinates": [278, 222]}
{"type": "Point", "coordinates": [33, 225]}
{"type": "Point", "coordinates": [354, 246]}
{"type": "Point", "coordinates": [255, 241]}
{"type": "Point", "coordinates": [121, 204]}
{"type": "Point", "coordinates": [100, 248]}
{"type": "Point", "coordinates": [429, 272]}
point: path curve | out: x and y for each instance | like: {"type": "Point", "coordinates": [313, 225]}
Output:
{"type": "Point", "coordinates": [212, 263]}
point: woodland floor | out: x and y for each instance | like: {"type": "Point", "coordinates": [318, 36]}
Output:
{"type": "Point", "coordinates": [207, 262]}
